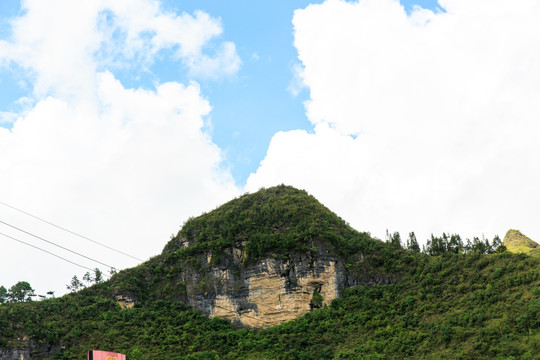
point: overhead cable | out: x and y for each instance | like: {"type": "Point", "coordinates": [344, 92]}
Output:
{"type": "Point", "coordinates": [54, 244]}
{"type": "Point", "coordinates": [48, 252]}
{"type": "Point", "coordinates": [69, 231]}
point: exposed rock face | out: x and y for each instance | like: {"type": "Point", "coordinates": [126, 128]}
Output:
{"type": "Point", "coordinates": [25, 348]}
{"type": "Point", "coordinates": [14, 354]}
{"type": "Point", "coordinates": [126, 301]}
{"type": "Point", "coordinates": [266, 258]}
{"type": "Point", "coordinates": [268, 292]}
{"type": "Point", "coordinates": [262, 293]}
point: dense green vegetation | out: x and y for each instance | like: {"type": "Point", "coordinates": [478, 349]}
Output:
{"type": "Point", "coordinates": [280, 220]}
{"type": "Point", "coordinates": [21, 291]}
{"type": "Point", "coordinates": [454, 306]}
{"type": "Point", "coordinates": [452, 302]}
{"type": "Point", "coordinates": [515, 241]}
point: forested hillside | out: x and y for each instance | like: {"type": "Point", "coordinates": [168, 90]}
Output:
{"type": "Point", "coordinates": [456, 299]}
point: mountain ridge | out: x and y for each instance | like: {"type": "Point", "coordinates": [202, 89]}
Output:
{"type": "Point", "coordinates": [393, 302]}
{"type": "Point", "coordinates": [260, 259]}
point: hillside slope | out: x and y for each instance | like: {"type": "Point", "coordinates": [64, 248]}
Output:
{"type": "Point", "coordinates": [261, 259]}
{"type": "Point", "coordinates": [390, 303]}
{"type": "Point", "coordinates": [516, 242]}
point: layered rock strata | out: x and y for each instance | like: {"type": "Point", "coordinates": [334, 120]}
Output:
{"type": "Point", "coordinates": [269, 292]}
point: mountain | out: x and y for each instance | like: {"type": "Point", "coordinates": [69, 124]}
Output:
{"type": "Point", "coordinates": [516, 242]}
{"type": "Point", "coordinates": [276, 275]}
{"type": "Point", "coordinates": [260, 260]}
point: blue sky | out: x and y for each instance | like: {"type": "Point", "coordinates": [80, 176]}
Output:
{"type": "Point", "coordinates": [249, 107]}
{"type": "Point", "coordinates": [121, 119]}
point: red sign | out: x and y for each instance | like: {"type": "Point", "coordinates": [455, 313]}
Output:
{"type": "Point", "coordinates": [105, 355]}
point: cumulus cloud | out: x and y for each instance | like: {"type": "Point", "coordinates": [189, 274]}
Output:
{"type": "Point", "coordinates": [7, 118]}
{"type": "Point", "coordinates": [423, 122]}
{"type": "Point", "coordinates": [64, 43]}
{"type": "Point", "coordinates": [123, 166]}
{"type": "Point", "coordinates": [226, 62]}
{"type": "Point", "coordinates": [296, 85]}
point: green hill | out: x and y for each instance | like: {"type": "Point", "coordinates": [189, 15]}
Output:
{"type": "Point", "coordinates": [277, 221]}
{"type": "Point", "coordinates": [516, 242]}
{"type": "Point", "coordinates": [460, 302]}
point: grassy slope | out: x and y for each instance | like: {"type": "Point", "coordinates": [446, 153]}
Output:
{"type": "Point", "coordinates": [516, 242]}
{"type": "Point", "coordinates": [450, 306]}
{"type": "Point", "coordinates": [456, 306]}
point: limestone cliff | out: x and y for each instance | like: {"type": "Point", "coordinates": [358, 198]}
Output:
{"type": "Point", "coordinates": [15, 354]}
{"type": "Point", "coordinates": [268, 292]}
{"type": "Point", "coordinates": [260, 260]}
{"type": "Point", "coordinates": [25, 348]}
{"type": "Point", "coordinates": [262, 293]}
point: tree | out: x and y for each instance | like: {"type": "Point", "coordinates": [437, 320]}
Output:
{"type": "Point", "coordinates": [95, 278]}
{"type": "Point", "coordinates": [98, 276]}
{"type": "Point", "coordinates": [496, 243]}
{"type": "Point", "coordinates": [393, 239]}
{"type": "Point", "coordinates": [316, 300]}
{"type": "Point", "coordinates": [482, 246]}
{"type": "Point", "coordinates": [3, 295]}
{"type": "Point", "coordinates": [75, 284]}
{"type": "Point", "coordinates": [488, 248]}
{"type": "Point", "coordinates": [21, 291]}
{"type": "Point", "coordinates": [88, 278]}
{"type": "Point", "coordinates": [412, 243]}
{"type": "Point", "coordinates": [455, 244]}
{"type": "Point", "coordinates": [436, 245]}
{"type": "Point", "coordinates": [468, 246]}
{"type": "Point", "coordinates": [501, 248]}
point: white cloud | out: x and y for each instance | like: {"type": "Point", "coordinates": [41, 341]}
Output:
{"type": "Point", "coordinates": [430, 120]}
{"type": "Point", "coordinates": [296, 85]}
{"type": "Point", "coordinates": [226, 63]}
{"type": "Point", "coordinates": [123, 166]}
{"type": "Point", "coordinates": [7, 118]}
{"type": "Point", "coordinates": [63, 42]}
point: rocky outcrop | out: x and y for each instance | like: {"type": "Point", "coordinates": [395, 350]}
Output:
{"type": "Point", "coordinates": [261, 293]}
{"type": "Point", "coordinates": [126, 301]}
{"type": "Point", "coordinates": [265, 258]}
{"type": "Point", "coordinates": [15, 354]}
{"type": "Point", "coordinates": [265, 293]}
{"type": "Point", "coordinates": [517, 242]}
{"type": "Point", "coordinates": [26, 348]}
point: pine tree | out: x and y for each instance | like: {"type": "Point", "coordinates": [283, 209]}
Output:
{"type": "Point", "coordinates": [412, 243]}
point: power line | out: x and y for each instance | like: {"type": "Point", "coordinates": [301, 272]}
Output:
{"type": "Point", "coordinates": [69, 231]}
{"type": "Point", "coordinates": [48, 252]}
{"type": "Point", "coordinates": [52, 243]}
{"type": "Point", "coordinates": [87, 268]}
